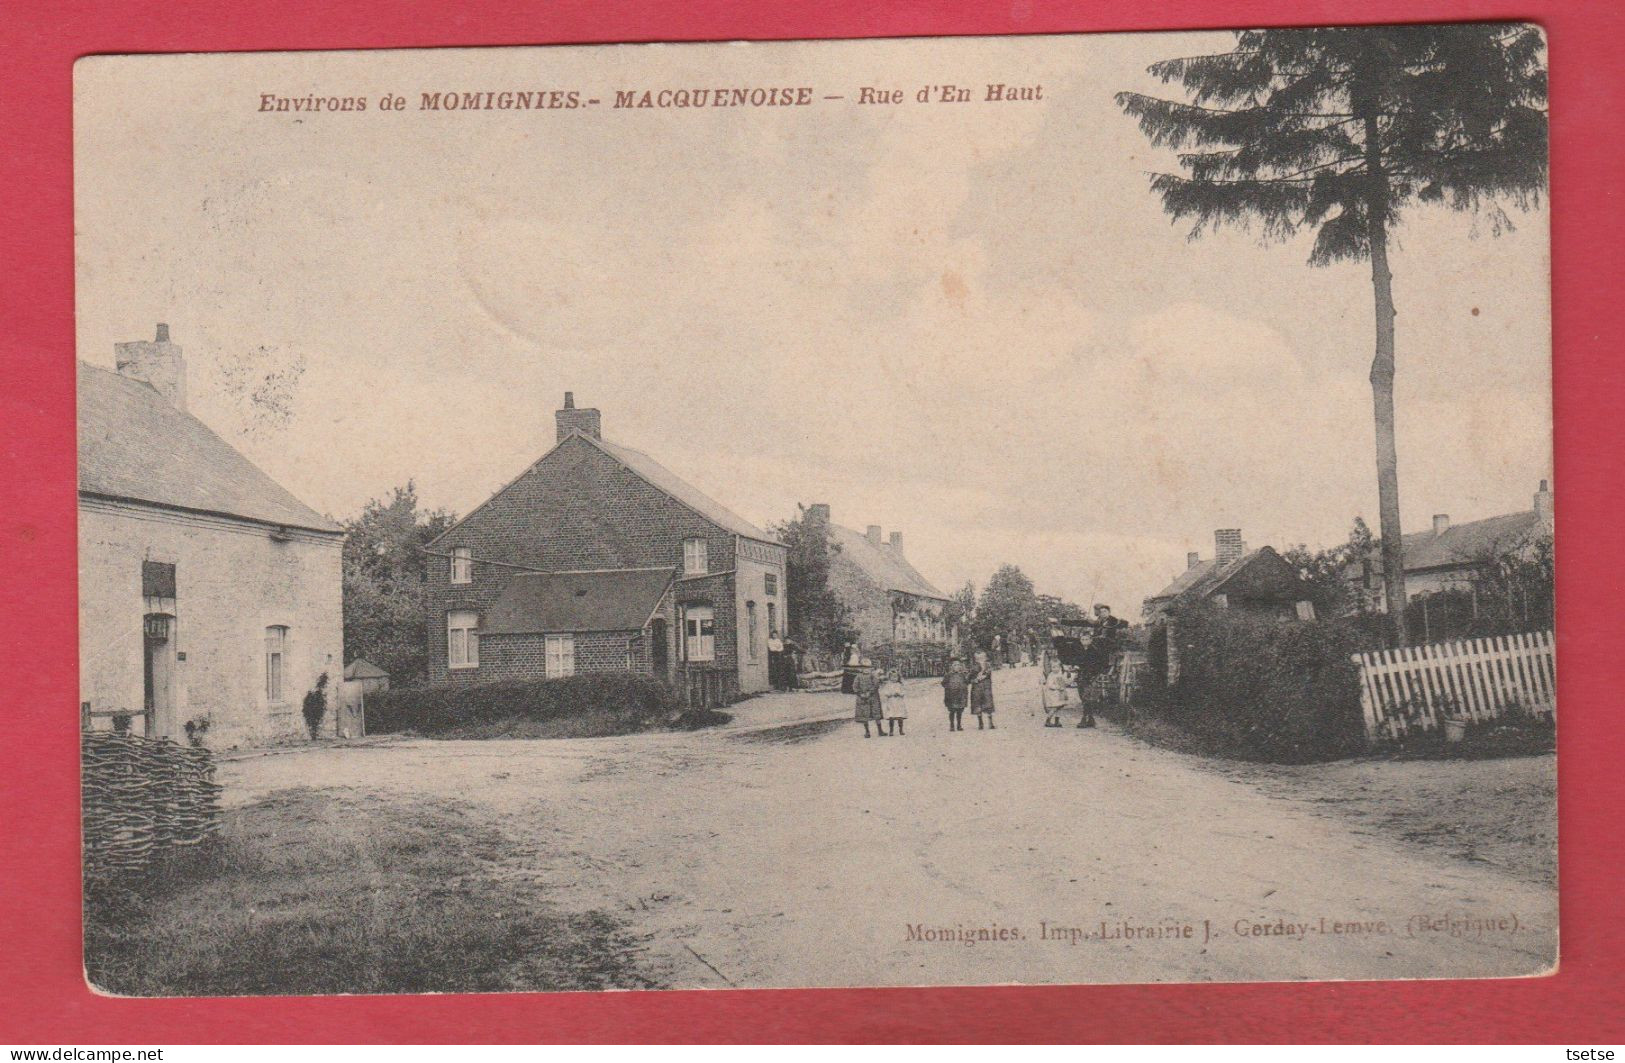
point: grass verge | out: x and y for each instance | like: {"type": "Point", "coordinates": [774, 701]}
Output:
{"type": "Point", "coordinates": [342, 891]}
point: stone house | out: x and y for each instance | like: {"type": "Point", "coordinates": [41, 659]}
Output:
{"type": "Point", "coordinates": [886, 598]}
{"type": "Point", "coordinates": [596, 558]}
{"type": "Point", "coordinates": [208, 595]}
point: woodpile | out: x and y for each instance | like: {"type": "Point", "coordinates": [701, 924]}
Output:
{"type": "Point", "coordinates": [142, 801]}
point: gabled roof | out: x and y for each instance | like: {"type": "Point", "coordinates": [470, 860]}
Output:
{"type": "Point", "coordinates": [651, 472]}
{"type": "Point", "coordinates": [361, 668]}
{"type": "Point", "coordinates": [134, 444]}
{"type": "Point", "coordinates": [665, 480]}
{"type": "Point", "coordinates": [883, 564]}
{"type": "Point", "coordinates": [1209, 577]}
{"type": "Point", "coordinates": [535, 603]}
{"type": "Point", "coordinates": [1461, 544]}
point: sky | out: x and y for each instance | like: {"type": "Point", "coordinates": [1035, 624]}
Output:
{"type": "Point", "coordinates": [971, 323]}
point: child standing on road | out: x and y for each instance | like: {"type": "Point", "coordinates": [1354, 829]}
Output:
{"type": "Point", "coordinates": [955, 692]}
{"type": "Point", "coordinates": [895, 700]}
{"type": "Point", "coordinates": [1054, 695]}
{"type": "Point", "coordinates": [981, 692]}
{"type": "Point", "coordinates": [867, 688]}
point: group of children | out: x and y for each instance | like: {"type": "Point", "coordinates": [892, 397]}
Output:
{"type": "Point", "coordinates": [882, 701]}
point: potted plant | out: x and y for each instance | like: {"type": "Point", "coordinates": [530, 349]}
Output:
{"type": "Point", "coordinates": [1453, 722]}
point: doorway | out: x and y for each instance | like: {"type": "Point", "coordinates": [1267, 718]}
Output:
{"type": "Point", "coordinates": [658, 652]}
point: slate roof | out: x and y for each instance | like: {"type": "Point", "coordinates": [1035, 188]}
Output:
{"type": "Point", "coordinates": [883, 564]}
{"type": "Point", "coordinates": [1461, 544]}
{"type": "Point", "coordinates": [134, 444]}
{"type": "Point", "coordinates": [535, 603]}
{"type": "Point", "coordinates": [683, 491]}
{"type": "Point", "coordinates": [1206, 577]}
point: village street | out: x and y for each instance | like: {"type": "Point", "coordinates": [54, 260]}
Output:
{"type": "Point", "coordinates": [786, 850]}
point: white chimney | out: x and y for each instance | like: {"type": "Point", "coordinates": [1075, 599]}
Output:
{"type": "Point", "coordinates": [1441, 523]}
{"type": "Point", "coordinates": [873, 534]}
{"type": "Point", "coordinates": [155, 362]}
{"type": "Point", "coordinates": [1193, 559]}
{"type": "Point", "coordinates": [897, 541]}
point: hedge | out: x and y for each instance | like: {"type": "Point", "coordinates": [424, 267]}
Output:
{"type": "Point", "coordinates": [1263, 687]}
{"type": "Point", "coordinates": [641, 701]}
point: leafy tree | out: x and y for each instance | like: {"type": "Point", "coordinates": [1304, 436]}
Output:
{"type": "Point", "coordinates": [818, 619]}
{"type": "Point", "coordinates": [1008, 608]}
{"type": "Point", "coordinates": [384, 567]}
{"type": "Point", "coordinates": [1327, 572]}
{"type": "Point", "coordinates": [1337, 131]}
{"type": "Point", "coordinates": [960, 612]}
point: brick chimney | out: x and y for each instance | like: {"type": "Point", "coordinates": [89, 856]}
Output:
{"type": "Point", "coordinates": [897, 541]}
{"type": "Point", "coordinates": [1227, 545]}
{"type": "Point", "coordinates": [1193, 559]}
{"type": "Point", "coordinates": [873, 534]}
{"type": "Point", "coordinates": [156, 362]}
{"type": "Point", "coordinates": [1543, 502]}
{"type": "Point", "coordinates": [1441, 523]}
{"type": "Point", "coordinates": [569, 419]}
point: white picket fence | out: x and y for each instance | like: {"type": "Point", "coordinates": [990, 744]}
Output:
{"type": "Point", "coordinates": [1476, 678]}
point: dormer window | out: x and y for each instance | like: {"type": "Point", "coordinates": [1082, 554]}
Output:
{"type": "Point", "coordinates": [462, 565]}
{"type": "Point", "coordinates": [695, 562]}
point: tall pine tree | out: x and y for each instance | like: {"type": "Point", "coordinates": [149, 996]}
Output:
{"type": "Point", "coordinates": [1337, 131]}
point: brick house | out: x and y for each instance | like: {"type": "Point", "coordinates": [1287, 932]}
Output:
{"type": "Point", "coordinates": [886, 598]}
{"type": "Point", "coordinates": [208, 595]}
{"type": "Point", "coordinates": [597, 558]}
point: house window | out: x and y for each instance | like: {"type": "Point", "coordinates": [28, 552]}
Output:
{"type": "Point", "coordinates": [462, 639]}
{"type": "Point", "coordinates": [700, 633]}
{"type": "Point", "coordinates": [462, 565]}
{"type": "Point", "coordinates": [694, 557]}
{"type": "Point", "coordinates": [276, 663]}
{"type": "Point", "coordinates": [561, 656]}
{"type": "Point", "coordinates": [750, 629]}
{"type": "Point", "coordinates": [770, 585]}
{"type": "Point", "coordinates": [772, 620]}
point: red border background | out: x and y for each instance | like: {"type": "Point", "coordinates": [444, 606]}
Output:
{"type": "Point", "coordinates": [44, 996]}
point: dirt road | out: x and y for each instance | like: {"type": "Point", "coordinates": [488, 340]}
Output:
{"type": "Point", "coordinates": [786, 850]}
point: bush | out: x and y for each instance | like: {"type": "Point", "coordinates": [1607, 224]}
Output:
{"type": "Point", "coordinates": [611, 702]}
{"type": "Point", "coordinates": [1266, 688]}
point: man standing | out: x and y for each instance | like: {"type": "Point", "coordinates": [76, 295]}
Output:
{"type": "Point", "coordinates": [1103, 646]}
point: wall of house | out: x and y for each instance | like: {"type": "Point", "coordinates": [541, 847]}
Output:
{"type": "Point", "coordinates": [754, 563]}
{"type": "Point", "coordinates": [232, 582]}
{"type": "Point", "coordinates": [577, 508]}
{"type": "Point", "coordinates": [867, 604]}
{"type": "Point", "coordinates": [525, 656]}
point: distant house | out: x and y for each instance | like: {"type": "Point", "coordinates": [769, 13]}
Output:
{"type": "Point", "coordinates": [886, 598]}
{"type": "Point", "coordinates": [599, 559]}
{"type": "Point", "coordinates": [1450, 556]}
{"type": "Point", "coordinates": [1257, 581]}
{"type": "Point", "coordinates": [210, 599]}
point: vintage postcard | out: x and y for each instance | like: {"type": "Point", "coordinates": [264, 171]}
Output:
{"type": "Point", "coordinates": [1068, 509]}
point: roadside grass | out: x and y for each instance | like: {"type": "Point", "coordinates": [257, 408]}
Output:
{"type": "Point", "coordinates": [343, 891]}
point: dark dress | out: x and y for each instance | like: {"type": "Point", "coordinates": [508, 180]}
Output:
{"type": "Point", "coordinates": [981, 692]}
{"type": "Point", "coordinates": [867, 688]}
{"type": "Point", "coordinates": [955, 690]}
